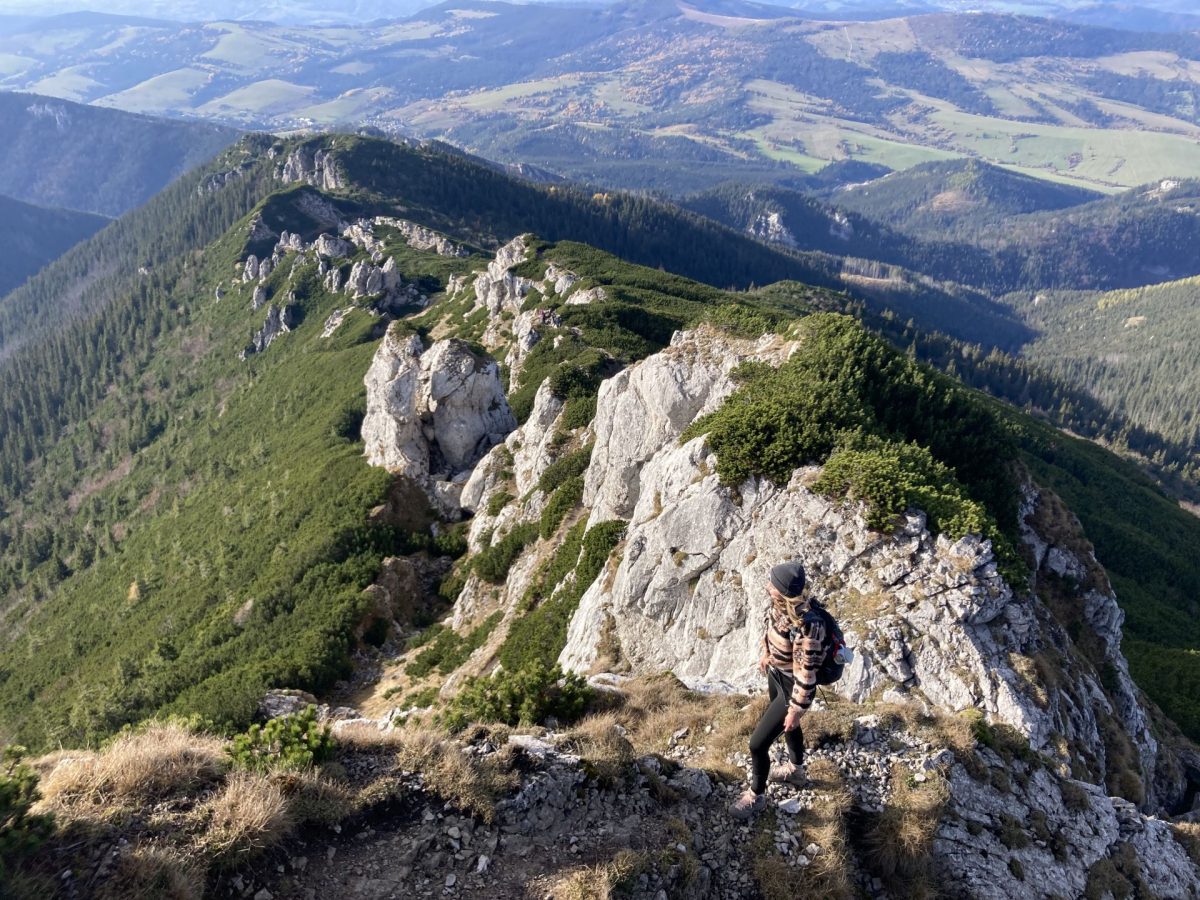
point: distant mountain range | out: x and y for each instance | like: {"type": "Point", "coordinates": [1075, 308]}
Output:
{"type": "Point", "coordinates": [1164, 15]}
{"type": "Point", "coordinates": [665, 94]}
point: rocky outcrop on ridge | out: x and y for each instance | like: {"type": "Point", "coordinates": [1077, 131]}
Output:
{"type": "Point", "coordinates": [316, 167]}
{"type": "Point", "coordinates": [433, 413]}
{"type": "Point", "coordinates": [280, 320]}
{"type": "Point", "coordinates": [502, 293]}
{"type": "Point", "coordinates": [769, 226]}
{"type": "Point", "coordinates": [932, 618]}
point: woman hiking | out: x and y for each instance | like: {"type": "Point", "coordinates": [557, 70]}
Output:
{"type": "Point", "coordinates": [794, 647]}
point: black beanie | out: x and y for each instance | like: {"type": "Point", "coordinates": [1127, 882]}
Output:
{"type": "Point", "coordinates": [788, 579]}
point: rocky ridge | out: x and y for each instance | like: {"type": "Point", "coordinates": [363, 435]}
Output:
{"type": "Point", "coordinates": [433, 412]}
{"type": "Point", "coordinates": [1001, 823]}
{"type": "Point", "coordinates": [934, 623]}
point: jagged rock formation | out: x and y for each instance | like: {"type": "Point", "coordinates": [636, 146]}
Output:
{"type": "Point", "coordinates": [769, 226]}
{"type": "Point", "coordinates": [259, 230]}
{"type": "Point", "coordinates": [932, 618]}
{"type": "Point", "coordinates": [316, 167]}
{"type": "Point", "coordinates": [280, 320]}
{"type": "Point", "coordinates": [502, 293]}
{"type": "Point", "coordinates": [329, 247]}
{"type": "Point", "coordinates": [362, 234]}
{"type": "Point", "coordinates": [432, 413]}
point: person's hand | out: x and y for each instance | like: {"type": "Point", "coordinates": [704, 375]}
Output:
{"type": "Point", "coordinates": [792, 720]}
{"type": "Point", "coordinates": [763, 662]}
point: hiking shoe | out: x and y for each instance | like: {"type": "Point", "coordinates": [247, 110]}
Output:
{"type": "Point", "coordinates": [788, 773]}
{"type": "Point", "coordinates": [747, 804]}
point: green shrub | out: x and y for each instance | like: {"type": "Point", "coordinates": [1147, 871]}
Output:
{"type": "Point", "coordinates": [347, 424]}
{"type": "Point", "coordinates": [450, 650]}
{"type": "Point", "coordinates": [578, 412]}
{"type": "Point", "coordinates": [498, 501]}
{"type": "Point", "coordinates": [526, 696]}
{"type": "Point", "coordinates": [903, 433]}
{"type": "Point", "coordinates": [560, 470]}
{"type": "Point", "coordinates": [451, 540]}
{"type": "Point", "coordinates": [20, 831]}
{"type": "Point", "coordinates": [564, 499]}
{"type": "Point", "coordinates": [289, 742]}
{"type": "Point", "coordinates": [493, 563]}
{"type": "Point", "coordinates": [539, 634]}
{"type": "Point", "coordinates": [891, 477]}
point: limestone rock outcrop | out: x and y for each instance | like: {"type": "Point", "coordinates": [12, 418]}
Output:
{"type": "Point", "coordinates": [330, 247]}
{"type": "Point", "coordinates": [316, 167]}
{"type": "Point", "coordinates": [931, 618]}
{"type": "Point", "coordinates": [769, 226]}
{"type": "Point", "coordinates": [280, 320]}
{"type": "Point", "coordinates": [433, 413]}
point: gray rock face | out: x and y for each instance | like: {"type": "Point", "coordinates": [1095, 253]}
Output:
{"type": "Point", "coordinates": [497, 288]}
{"type": "Point", "coordinates": [259, 230]}
{"type": "Point", "coordinates": [280, 320]}
{"type": "Point", "coordinates": [662, 395]}
{"type": "Point", "coordinates": [250, 270]}
{"type": "Point", "coordinates": [420, 238]}
{"type": "Point", "coordinates": [290, 241]}
{"type": "Point", "coordinates": [316, 167]}
{"type": "Point", "coordinates": [770, 227]}
{"type": "Point", "coordinates": [432, 414]}
{"type": "Point", "coordinates": [978, 850]}
{"type": "Point", "coordinates": [929, 617]}
{"type": "Point", "coordinates": [330, 247]}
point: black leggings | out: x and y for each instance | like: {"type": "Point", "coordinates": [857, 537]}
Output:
{"type": "Point", "coordinates": [770, 726]}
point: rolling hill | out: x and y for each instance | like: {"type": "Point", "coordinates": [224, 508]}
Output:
{"type": "Point", "coordinates": [617, 94]}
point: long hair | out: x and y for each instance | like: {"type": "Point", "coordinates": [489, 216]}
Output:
{"type": "Point", "coordinates": [792, 609]}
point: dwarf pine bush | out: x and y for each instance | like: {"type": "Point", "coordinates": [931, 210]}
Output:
{"type": "Point", "coordinates": [296, 741]}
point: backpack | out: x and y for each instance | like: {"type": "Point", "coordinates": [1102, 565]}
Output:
{"type": "Point", "coordinates": [831, 669]}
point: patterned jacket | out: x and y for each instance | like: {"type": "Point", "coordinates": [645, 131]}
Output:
{"type": "Point", "coordinates": [797, 648]}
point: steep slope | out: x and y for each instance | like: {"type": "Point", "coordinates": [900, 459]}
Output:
{"type": "Point", "coordinates": [33, 236]}
{"type": "Point", "coordinates": [342, 450]}
{"type": "Point", "coordinates": [1134, 347]}
{"type": "Point", "coordinates": [62, 154]}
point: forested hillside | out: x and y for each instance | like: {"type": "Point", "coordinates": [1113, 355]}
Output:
{"type": "Point", "coordinates": [184, 528]}
{"type": "Point", "coordinates": [61, 154]}
{"type": "Point", "coordinates": [32, 236]}
{"type": "Point", "coordinates": [1135, 349]}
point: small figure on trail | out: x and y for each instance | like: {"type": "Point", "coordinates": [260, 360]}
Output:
{"type": "Point", "coordinates": [799, 636]}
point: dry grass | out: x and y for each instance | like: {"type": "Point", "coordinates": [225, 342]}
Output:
{"type": "Point", "coordinates": [154, 873]}
{"type": "Point", "coordinates": [147, 766]}
{"type": "Point", "coordinates": [828, 874]}
{"type": "Point", "coordinates": [250, 813]}
{"type": "Point", "coordinates": [900, 841]}
{"type": "Point", "coordinates": [363, 737]}
{"type": "Point", "coordinates": [470, 783]}
{"type": "Point", "coordinates": [602, 881]}
{"type": "Point", "coordinates": [1188, 836]}
{"type": "Point", "coordinates": [598, 740]}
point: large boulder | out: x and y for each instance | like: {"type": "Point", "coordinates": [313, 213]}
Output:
{"type": "Point", "coordinates": [433, 413]}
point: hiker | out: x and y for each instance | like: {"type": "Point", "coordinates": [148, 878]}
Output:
{"type": "Point", "coordinates": [797, 641]}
